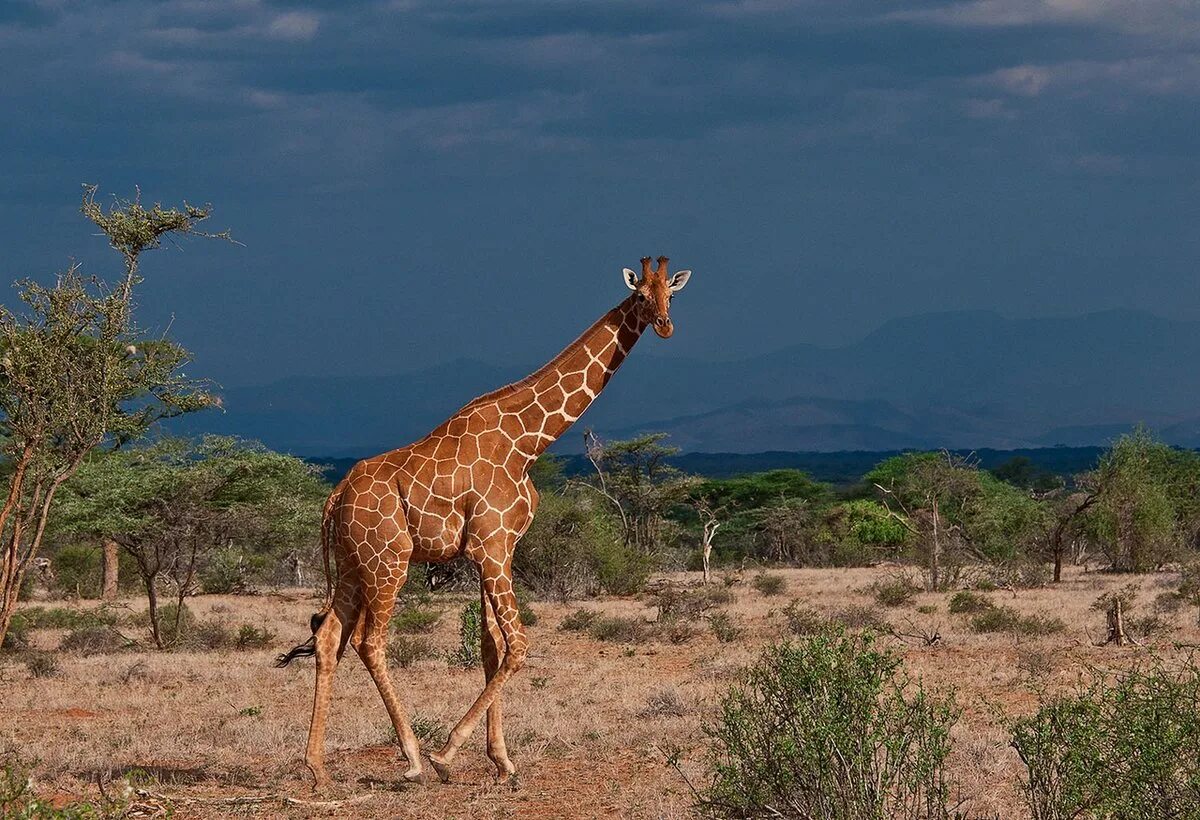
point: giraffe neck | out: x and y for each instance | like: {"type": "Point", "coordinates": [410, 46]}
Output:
{"type": "Point", "coordinates": [550, 399]}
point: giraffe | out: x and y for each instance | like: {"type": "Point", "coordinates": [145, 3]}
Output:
{"type": "Point", "coordinates": [462, 490]}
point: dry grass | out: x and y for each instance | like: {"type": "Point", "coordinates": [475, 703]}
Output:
{"type": "Point", "coordinates": [588, 722]}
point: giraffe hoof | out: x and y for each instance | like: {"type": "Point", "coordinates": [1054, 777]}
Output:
{"type": "Point", "coordinates": [442, 769]}
{"type": "Point", "coordinates": [420, 777]}
{"type": "Point", "coordinates": [510, 779]}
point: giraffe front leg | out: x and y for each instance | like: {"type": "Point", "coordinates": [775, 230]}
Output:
{"type": "Point", "coordinates": [493, 648]}
{"type": "Point", "coordinates": [496, 576]}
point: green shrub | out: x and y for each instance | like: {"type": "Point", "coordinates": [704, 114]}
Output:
{"type": "Point", "coordinates": [92, 640]}
{"type": "Point", "coordinates": [525, 610]}
{"type": "Point", "coordinates": [429, 730]}
{"type": "Point", "coordinates": [78, 570]}
{"type": "Point", "coordinates": [208, 634]}
{"type": "Point", "coordinates": [18, 800]}
{"type": "Point", "coordinates": [1006, 619]}
{"type": "Point", "coordinates": [230, 571]}
{"type": "Point", "coordinates": [1123, 749]}
{"type": "Point", "coordinates": [253, 637]}
{"type": "Point", "coordinates": [17, 636]}
{"type": "Point", "coordinates": [969, 602]}
{"type": "Point", "coordinates": [42, 664]}
{"type": "Point", "coordinates": [664, 703]}
{"type": "Point", "coordinates": [803, 620]}
{"type": "Point", "coordinates": [61, 617]}
{"type": "Point", "coordinates": [724, 628]}
{"type": "Point", "coordinates": [620, 630]}
{"type": "Point", "coordinates": [679, 632]}
{"type": "Point", "coordinates": [621, 570]}
{"type": "Point", "coordinates": [175, 624]}
{"type": "Point", "coordinates": [580, 620]}
{"type": "Point", "coordinates": [414, 618]}
{"type": "Point", "coordinates": [829, 728]}
{"type": "Point", "coordinates": [675, 602]}
{"type": "Point", "coordinates": [894, 591]}
{"type": "Point", "coordinates": [573, 549]}
{"type": "Point", "coordinates": [405, 650]}
{"type": "Point", "coordinates": [863, 617]}
{"type": "Point", "coordinates": [469, 651]}
{"type": "Point", "coordinates": [769, 584]}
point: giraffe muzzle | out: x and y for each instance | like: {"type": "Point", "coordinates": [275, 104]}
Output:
{"type": "Point", "coordinates": [663, 327]}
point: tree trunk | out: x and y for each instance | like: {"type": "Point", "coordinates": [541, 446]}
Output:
{"type": "Point", "coordinates": [152, 599]}
{"type": "Point", "coordinates": [112, 569]}
{"type": "Point", "coordinates": [1116, 623]}
{"type": "Point", "coordinates": [935, 554]}
{"type": "Point", "coordinates": [8, 601]}
{"type": "Point", "coordinates": [1058, 562]}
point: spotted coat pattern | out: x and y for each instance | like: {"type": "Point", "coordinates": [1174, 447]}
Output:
{"type": "Point", "coordinates": [463, 489]}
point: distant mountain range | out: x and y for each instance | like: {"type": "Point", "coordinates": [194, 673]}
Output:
{"type": "Point", "coordinates": [960, 380]}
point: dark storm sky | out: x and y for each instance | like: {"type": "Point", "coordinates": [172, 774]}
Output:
{"type": "Point", "coordinates": [420, 181]}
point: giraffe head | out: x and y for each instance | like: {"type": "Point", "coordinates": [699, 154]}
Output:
{"type": "Point", "coordinates": [654, 291]}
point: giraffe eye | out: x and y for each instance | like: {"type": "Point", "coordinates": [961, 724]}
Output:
{"type": "Point", "coordinates": [641, 297]}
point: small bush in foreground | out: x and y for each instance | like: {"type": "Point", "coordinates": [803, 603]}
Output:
{"type": "Point", "coordinates": [469, 652]}
{"type": "Point", "coordinates": [92, 640]}
{"type": "Point", "coordinates": [830, 728]}
{"type": "Point", "coordinates": [17, 800]}
{"type": "Point", "coordinates": [863, 617]}
{"type": "Point", "coordinates": [804, 620]}
{"type": "Point", "coordinates": [1007, 619]}
{"type": "Point", "coordinates": [620, 630]}
{"type": "Point", "coordinates": [893, 592]}
{"type": "Point", "coordinates": [42, 664]}
{"type": "Point", "coordinates": [769, 584]}
{"type": "Point", "coordinates": [580, 620]}
{"type": "Point", "coordinates": [412, 619]}
{"type": "Point", "coordinates": [724, 627]}
{"type": "Point", "coordinates": [674, 602]}
{"type": "Point", "coordinates": [253, 637]}
{"type": "Point", "coordinates": [61, 617]}
{"type": "Point", "coordinates": [968, 602]}
{"type": "Point", "coordinates": [17, 636]}
{"type": "Point", "coordinates": [1125, 749]}
{"type": "Point", "coordinates": [405, 650]}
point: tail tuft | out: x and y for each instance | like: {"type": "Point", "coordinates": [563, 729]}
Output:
{"type": "Point", "coordinates": [306, 649]}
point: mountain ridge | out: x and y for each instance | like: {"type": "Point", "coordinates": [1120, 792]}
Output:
{"type": "Point", "coordinates": [953, 379]}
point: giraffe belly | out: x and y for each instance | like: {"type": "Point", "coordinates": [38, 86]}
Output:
{"type": "Point", "coordinates": [436, 537]}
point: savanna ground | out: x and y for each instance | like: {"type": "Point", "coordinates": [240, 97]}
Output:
{"type": "Point", "coordinates": [590, 723]}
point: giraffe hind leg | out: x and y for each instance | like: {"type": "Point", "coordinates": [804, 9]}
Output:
{"type": "Point", "coordinates": [372, 648]}
{"type": "Point", "coordinates": [329, 643]}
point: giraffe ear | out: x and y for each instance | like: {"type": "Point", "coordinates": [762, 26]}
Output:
{"type": "Point", "coordinates": [630, 279]}
{"type": "Point", "coordinates": [679, 280]}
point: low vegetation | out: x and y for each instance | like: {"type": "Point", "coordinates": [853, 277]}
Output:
{"type": "Point", "coordinates": [829, 728]}
{"type": "Point", "coordinates": [1128, 747]}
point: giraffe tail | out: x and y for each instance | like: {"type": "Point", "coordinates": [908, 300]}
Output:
{"type": "Point", "coordinates": [309, 647]}
{"type": "Point", "coordinates": [306, 649]}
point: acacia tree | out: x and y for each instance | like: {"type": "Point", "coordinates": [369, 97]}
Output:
{"type": "Point", "coordinates": [76, 373]}
{"type": "Point", "coordinates": [641, 485]}
{"type": "Point", "coordinates": [177, 507]}
{"type": "Point", "coordinates": [1145, 510]}
{"type": "Point", "coordinates": [930, 494]}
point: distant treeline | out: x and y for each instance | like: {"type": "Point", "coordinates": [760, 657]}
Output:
{"type": "Point", "coordinates": [840, 468]}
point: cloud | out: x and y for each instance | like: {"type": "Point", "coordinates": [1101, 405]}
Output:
{"type": "Point", "coordinates": [295, 26]}
{"type": "Point", "coordinates": [1026, 80]}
